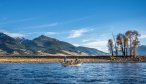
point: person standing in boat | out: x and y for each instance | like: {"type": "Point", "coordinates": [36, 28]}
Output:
{"type": "Point", "coordinates": [65, 58]}
{"type": "Point", "coordinates": [76, 60]}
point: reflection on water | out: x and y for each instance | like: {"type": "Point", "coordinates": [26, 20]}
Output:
{"type": "Point", "coordinates": [101, 73]}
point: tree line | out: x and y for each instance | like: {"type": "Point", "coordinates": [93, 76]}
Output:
{"type": "Point", "coordinates": [124, 44]}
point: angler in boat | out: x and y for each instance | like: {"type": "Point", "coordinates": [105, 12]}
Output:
{"type": "Point", "coordinates": [76, 62]}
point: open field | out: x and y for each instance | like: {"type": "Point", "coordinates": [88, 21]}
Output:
{"type": "Point", "coordinates": [45, 59]}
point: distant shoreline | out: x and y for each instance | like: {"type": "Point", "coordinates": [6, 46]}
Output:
{"type": "Point", "coordinates": [51, 59]}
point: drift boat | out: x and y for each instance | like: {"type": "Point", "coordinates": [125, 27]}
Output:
{"type": "Point", "coordinates": [71, 64]}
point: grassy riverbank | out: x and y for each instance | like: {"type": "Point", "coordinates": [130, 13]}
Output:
{"type": "Point", "coordinates": [46, 59]}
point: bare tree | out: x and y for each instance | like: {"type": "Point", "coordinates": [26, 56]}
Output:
{"type": "Point", "coordinates": [115, 46]}
{"type": "Point", "coordinates": [126, 45]}
{"type": "Point", "coordinates": [110, 46]}
{"type": "Point", "coordinates": [120, 43]}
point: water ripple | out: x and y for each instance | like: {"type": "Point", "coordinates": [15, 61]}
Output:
{"type": "Point", "coordinates": [94, 73]}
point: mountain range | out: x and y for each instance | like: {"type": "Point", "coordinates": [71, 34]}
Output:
{"type": "Point", "coordinates": [42, 45]}
{"type": "Point", "coordinates": [141, 50]}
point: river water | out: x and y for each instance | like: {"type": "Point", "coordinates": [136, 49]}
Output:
{"type": "Point", "coordinates": [87, 73]}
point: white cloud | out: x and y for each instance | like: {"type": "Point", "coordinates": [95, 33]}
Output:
{"type": "Point", "coordinates": [75, 44]}
{"type": "Point", "coordinates": [16, 21]}
{"type": "Point", "coordinates": [143, 36]}
{"type": "Point", "coordinates": [98, 44]}
{"type": "Point", "coordinates": [78, 33]}
{"type": "Point", "coordinates": [15, 34]}
{"type": "Point", "coordinates": [98, 41]}
{"type": "Point", "coordinates": [50, 33]}
{"type": "Point", "coordinates": [41, 26]}
{"type": "Point", "coordinates": [45, 33]}
{"type": "Point", "coordinates": [86, 40]}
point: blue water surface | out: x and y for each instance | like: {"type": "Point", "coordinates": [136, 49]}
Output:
{"type": "Point", "coordinates": [87, 73]}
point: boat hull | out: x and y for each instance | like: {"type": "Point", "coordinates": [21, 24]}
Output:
{"type": "Point", "coordinates": [64, 64]}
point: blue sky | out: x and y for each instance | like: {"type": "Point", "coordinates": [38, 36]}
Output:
{"type": "Point", "coordinates": [81, 22]}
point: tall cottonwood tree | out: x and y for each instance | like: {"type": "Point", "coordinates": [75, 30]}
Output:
{"type": "Point", "coordinates": [135, 42]}
{"type": "Point", "coordinates": [129, 35]}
